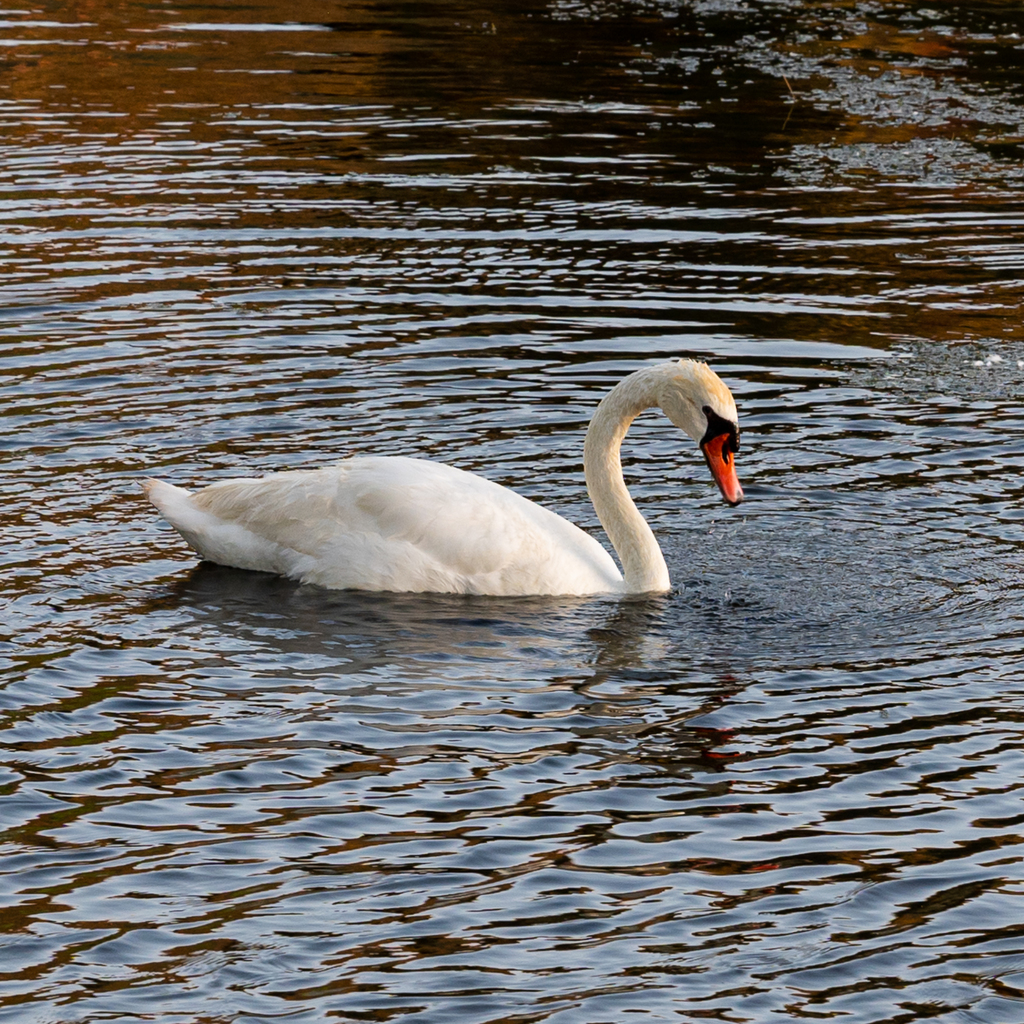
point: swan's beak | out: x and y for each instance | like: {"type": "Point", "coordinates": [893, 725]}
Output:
{"type": "Point", "coordinates": [718, 451]}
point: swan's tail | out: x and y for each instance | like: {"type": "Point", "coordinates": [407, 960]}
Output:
{"type": "Point", "coordinates": [174, 503]}
{"type": "Point", "coordinates": [216, 539]}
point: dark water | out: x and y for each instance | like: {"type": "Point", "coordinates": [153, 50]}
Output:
{"type": "Point", "coordinates": [237, 238]}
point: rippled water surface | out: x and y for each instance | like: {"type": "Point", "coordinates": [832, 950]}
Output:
{"type": "Point", "coordinates": [244, 237]}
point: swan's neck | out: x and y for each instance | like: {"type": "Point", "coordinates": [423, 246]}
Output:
{"type": "Point", "coordinates": [643, 564]}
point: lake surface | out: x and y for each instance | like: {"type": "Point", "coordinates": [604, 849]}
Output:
{"type": "Point", "coordinates": [241, 238]}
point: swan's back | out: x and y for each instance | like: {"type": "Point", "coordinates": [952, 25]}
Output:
{"type": "Point", "coordinates": [389, 523]}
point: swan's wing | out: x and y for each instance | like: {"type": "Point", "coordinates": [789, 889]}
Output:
{"type": "Point", "coordinates": [395, 524]}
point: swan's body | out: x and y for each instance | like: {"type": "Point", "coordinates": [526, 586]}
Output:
{"type": "Point", "coordinates": [402, 524]}
{"type": "Point", "coordinates": [390, 524]}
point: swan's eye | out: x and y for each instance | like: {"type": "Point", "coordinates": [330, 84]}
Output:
{"type": "Point", "coordinates": [719, 426]}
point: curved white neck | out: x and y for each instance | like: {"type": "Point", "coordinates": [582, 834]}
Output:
{"type": "Point", "coordinates": [643, 564]}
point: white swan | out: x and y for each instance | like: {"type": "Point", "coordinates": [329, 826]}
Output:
{"type": "Point", "coordinates": [403, 524]}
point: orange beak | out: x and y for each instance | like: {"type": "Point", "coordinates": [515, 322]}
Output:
{"type": "Point", "coordinates": [722, 463]}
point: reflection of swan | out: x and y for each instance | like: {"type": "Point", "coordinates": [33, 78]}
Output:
{"type": "Point", "coordinates": [404, 524]}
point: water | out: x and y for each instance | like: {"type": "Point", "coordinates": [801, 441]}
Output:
{"type": "Point", "coordinates": [239, 239]}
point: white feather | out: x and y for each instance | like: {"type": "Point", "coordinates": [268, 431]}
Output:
{"type": "Point", "coordinates": [405, 524]}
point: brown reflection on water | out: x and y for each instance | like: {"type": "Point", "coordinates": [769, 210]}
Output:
{"type": "Point", "coordinates": [133, 57]}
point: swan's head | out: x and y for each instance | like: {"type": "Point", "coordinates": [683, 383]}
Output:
{"type": "Point", "coordinates": [696, 400]}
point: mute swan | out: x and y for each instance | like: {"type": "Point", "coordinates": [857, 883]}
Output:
{"type": "Point", "coordinates": [404, 524]}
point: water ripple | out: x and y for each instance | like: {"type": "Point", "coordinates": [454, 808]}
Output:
{"type": "Point", "coordinates": [788, 788]}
